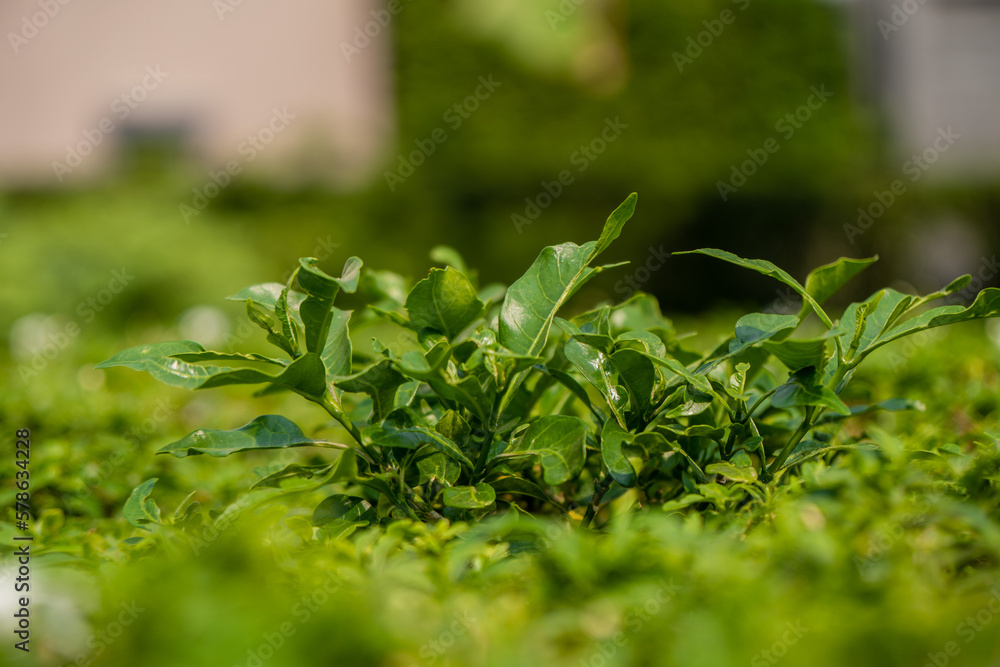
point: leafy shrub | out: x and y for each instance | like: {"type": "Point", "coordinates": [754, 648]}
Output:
{"type": "Point", "coordinates": [495, 406]}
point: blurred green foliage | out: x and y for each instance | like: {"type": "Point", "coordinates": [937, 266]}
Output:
{"type": "Point", "coordinates": [874, 558]}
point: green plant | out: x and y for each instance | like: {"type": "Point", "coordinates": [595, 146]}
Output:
{"type": "Point", "coordinates": [494, 405]}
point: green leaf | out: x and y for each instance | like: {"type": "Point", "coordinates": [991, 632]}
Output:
{"type": "Point", "coordinates": [470, 497]}
{"type": "Point", "coordinates": [559, 442]}
{"type": "Point", "coordinates": [535, 298]}
{"type": "Point", "coordinates": [568, 381]}
{"type": "Point", "coordinates": [467, 392]}
{"type": "Point", "coordinates": [413, 438]}
{"type": "Point", "coordinates": [597, 369]}
{"type": "Point", "coordinates": [890, 405]}
{"type": "Point", "coordinates": [613, 437]}
{"type": "Point", "coordinates": [444, 301]}
{"type": "Point", "coordinates": [649, 341]}
{"type": "Point", "coordinates": [283, 312]}
{"type": "Point", "coordinates": [158, 360]}
{"type": "Point", "coordinates": [379, 381]}
{"type": "Point", "coordinates": [266, 295]}
{"type": "Point", "coordinates": [863, 322]}
{"type": "Point", "coordinates": [746, 474]}
{"type": "Point", "coordinates": [306, 376]}
{"type": "Point", "coordinates": [340, 507]}
{"type": "Point", "coordinates": [265, 432]}
{"type": "Point", "coordinates": [655, 443]}
{"type": "Point", "coordinates": [684, 502]}
{"type": "Point", "coordinates": [798, 353]}
{"type": "Point", "coordinates": [825, 281]}
{"type": "Point", "coordinates": [449, 256]}
{"type": "Point", "coordinates": [520, 486]}
{"type": "Point", "coordinates": [810, 449]}
{"type": "Point", "coordinates": [638, 375]}
{"type": "Point", "coordinates": [321, 290]}
{"type": "Point", "coordinates": [768, 269]}
{"type": "Point", "coordinates": [433, 465]}
{"type": "Point", "coordinates": [695, 379]}
{"type": "Point", "coordinates": [987, 304]}
{"type": "Point", "coordinates": [803, 388]}
{"type": "Point", "coordinates": [263, 319]}
{"type": "Point", "coordinates": [209, 355]}
{"type": "Point", "coordinates": [758, 327]}
{"type": "Point", "coordinates": [292, 471]}
{"type": "Point", "coordinates": [613, 226]}
{"type": "Point", "coordinates": [453, 426]}
{"type": "Point", "coordinates": [141, 510]}
{"type": "Point", "coordinates": [337, 349]}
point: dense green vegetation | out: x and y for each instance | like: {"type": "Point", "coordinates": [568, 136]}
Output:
{"type": "Point", "coordinates": [877, 541]}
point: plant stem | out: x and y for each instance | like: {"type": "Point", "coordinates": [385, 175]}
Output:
{"type": "Point", "coordinates": [334, 411]}
{"type": "Point", "coordinates": [600, 488]}
{"type": "Point", "coordinates": [800, 433]}
{"type": "Point", "coordinates": [484, 453]}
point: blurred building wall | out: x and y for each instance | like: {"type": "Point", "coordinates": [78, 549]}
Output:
{"type": "Point", "coordinates": [293, 88]}
{"type": "Point", "coordinates": [935, 64]}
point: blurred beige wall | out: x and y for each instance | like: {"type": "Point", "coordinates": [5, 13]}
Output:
{"type": "Point", "coordinates": [936, 64]}
{"type": "Point", "coordinates": [240, 79]}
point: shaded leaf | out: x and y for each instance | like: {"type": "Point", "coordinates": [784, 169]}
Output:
{"type": "Point", "coordinates": [768, 269]}
{"type": "Point", "coordinates": [613, 437]}
{"type": "Point", "coordinates": [158, 360]}
{"type": "Point", "coordinates": [597, 369]}
{"type": "Point", "coordinates": [736, 473]}
{"type": "Point", "coordinates": [825, 281]}
{"type": "Point", "coordinates": [321, 289]}
{"type": "Point", "coordinates": [413, 438]}
{"type": "Point", "coordinates": [559, 442]}
{"type": "Point", "coordinates": [306, 375]}
{"type": "Point", "coordinates": [803, 388]}
{"type": "Point", "coordinates": [444, 301]}
{"type": "Point", "coordinates": [340, 507]}
{"type": "Point", "coordinates": [265, 432]}
{"type": "Point", "coordinates": [379, 381]}
{"type": "Point", "coordinates": [470, 497]}
{"type": "Point", "coordinates": [987, 304]}
{"type": "Point", "coordinates": [535, 298]}
{"type": "Point", "coordinates": [141, 510]}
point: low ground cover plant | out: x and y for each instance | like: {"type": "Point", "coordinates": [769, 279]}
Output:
{"type": "Point", "coordinates": [500, 403]}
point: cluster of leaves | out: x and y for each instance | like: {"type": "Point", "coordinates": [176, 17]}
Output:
{"type": "Point", "coordinates": [503, 403]}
